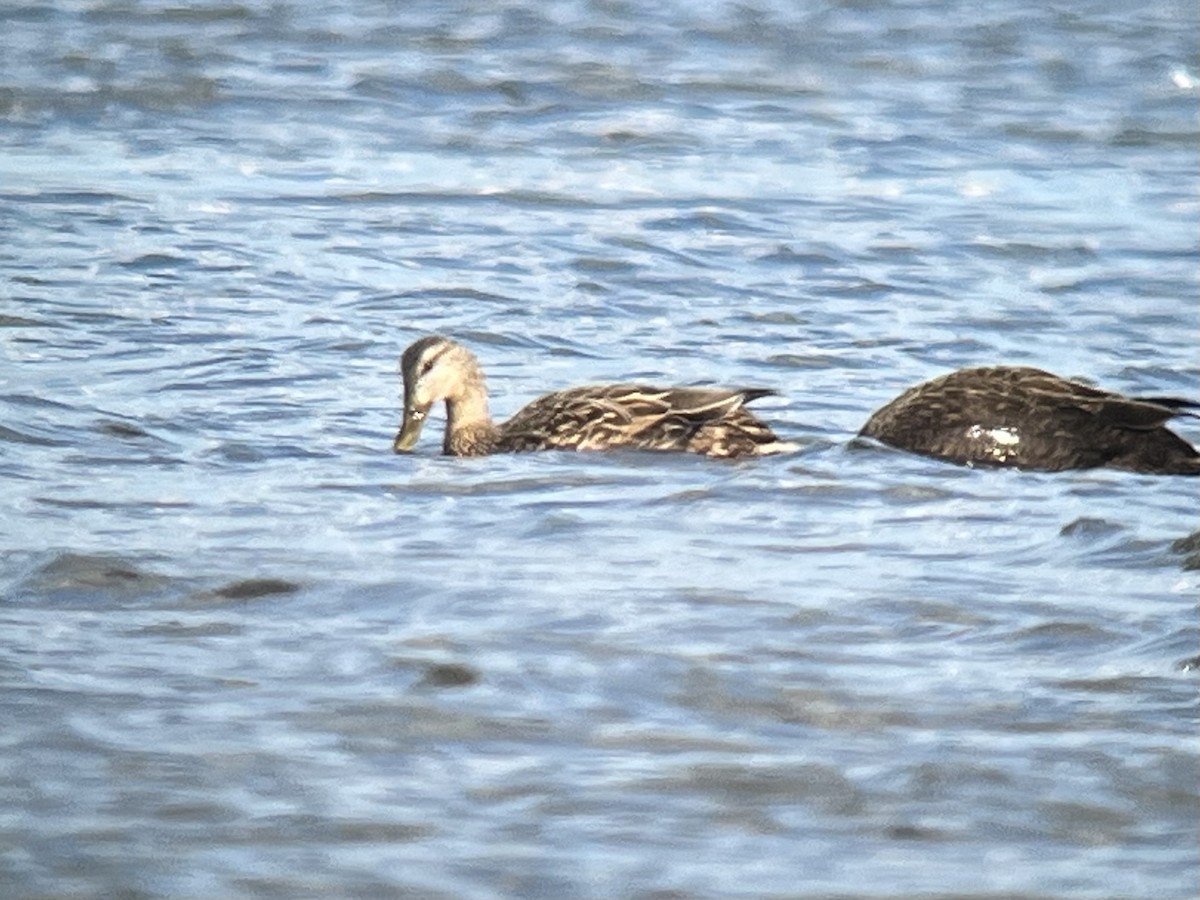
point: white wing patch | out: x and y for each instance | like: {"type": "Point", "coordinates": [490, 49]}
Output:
{"type": "Point", "coordinates": [1001, 442]}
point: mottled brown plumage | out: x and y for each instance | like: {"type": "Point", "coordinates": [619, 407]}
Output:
{"type": "Point", "coordinates": [1028, 418]}
{"type": "Point", "coordinates": [710, 421]}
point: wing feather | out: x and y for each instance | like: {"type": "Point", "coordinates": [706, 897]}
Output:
{"type": "Point", "coordinates": [639, 416]}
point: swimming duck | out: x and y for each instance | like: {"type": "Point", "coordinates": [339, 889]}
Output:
{"type": "Point", "coordinates": [710, 421]}
{"type": "Point", "coordinates": [1029, 418]}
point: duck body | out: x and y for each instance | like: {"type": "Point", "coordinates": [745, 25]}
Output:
{"type": "Point", "coordinates": [1016, 416]}
{"type": "Point", "coordinates": [708, 421]}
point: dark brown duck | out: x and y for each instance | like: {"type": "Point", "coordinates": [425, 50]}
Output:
{"type": "Point", "coordinates": [1032, 419]}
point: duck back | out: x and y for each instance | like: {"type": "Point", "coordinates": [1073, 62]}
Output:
{"type": "Point", "coordinates": [1029, 418]}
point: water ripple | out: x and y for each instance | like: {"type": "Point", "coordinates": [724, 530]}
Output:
{"type": "Point", "coordinates": [250, 652]}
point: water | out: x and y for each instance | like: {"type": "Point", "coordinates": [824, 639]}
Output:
{"type": "Point", "coordinates": [248, 652]}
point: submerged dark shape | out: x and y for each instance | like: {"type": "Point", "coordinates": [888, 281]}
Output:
{"type": "Point", "coordinates": [709, 421]}
{"type": "Point", "coordinates": [1032, 419]}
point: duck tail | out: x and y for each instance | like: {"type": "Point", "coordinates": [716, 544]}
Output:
{"type": "Point", "coordinates": [749, 395]}
{"type": "Point", "coordinates": [1177, 405]}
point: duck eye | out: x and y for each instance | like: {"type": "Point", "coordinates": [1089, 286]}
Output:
{"type": "Point", "coordinates": [425, 367]}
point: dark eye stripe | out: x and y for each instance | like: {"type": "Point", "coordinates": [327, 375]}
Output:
{"type": "Point", "coordinates": [427, 363]}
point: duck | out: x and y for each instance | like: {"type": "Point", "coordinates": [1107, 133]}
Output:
{"type": "Point", "coordinates": [1028, 418]}
{"type": "Point", "coordinates": [709, 421]}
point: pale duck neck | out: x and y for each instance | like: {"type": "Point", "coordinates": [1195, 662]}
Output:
{"type": "Point", "coordinates": [469, 427]}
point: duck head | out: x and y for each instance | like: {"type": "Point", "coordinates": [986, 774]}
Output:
{"type": "Point", "coordinates": [433, 368]}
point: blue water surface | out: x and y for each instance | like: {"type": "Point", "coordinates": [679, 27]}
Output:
{"type": "Point", "coordinates": [248, 652]}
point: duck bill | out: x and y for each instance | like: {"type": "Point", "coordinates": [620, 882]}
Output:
{"type": "Point", "coordinates": [410, 430]}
